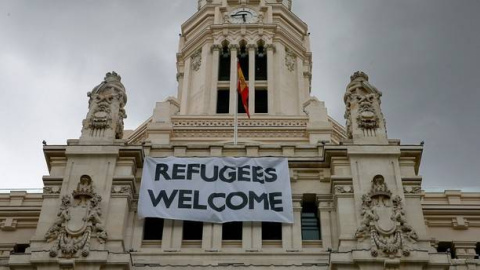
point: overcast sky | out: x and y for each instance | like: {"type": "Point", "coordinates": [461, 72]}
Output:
{"type": "Point", "coordinates": [424, 55]}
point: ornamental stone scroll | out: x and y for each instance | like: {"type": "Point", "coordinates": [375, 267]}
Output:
{"type": "Point", "coordinates": [78, 219]}
{"type": "Point", "coordinates": [384, 222]}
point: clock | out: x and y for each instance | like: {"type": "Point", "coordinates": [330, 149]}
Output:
{"type": "Point", "coordinates": [243, 15]}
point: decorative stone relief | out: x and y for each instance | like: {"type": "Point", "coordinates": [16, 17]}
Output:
{"type": "Point", "coordinates": [384, 221]}
{"type": "Point", "coordinates": [233, 36]}
{"type": "Point", "coordinates": [362, 102]}
{"type": "Point", "coordinates": [243, 123]}
{"type": "Point", "coordinates": [367, 118]}
{"type": "Point", "coordinates": [51, 190]}
{"type": "Point", "coordinates": [225, 133]}
{"type": "Point", "coordinates": [196, 60]}
{"type": "Point", "coordinates": [290, 59]}
{"type": "Point", "coordinates": [106, 109]}
{"type": "Point", "coordinates": [8, 224]}
{"type": "Point", "coordinates": [412, 190]}
{"type": "Point", "coordinates": [261, 17]}
{"type": "Point", "coordinates": [343, 189]}
{"type": "Point", "coordinates": [78, 219]}
{"type": "Point", "coordinates": [226, 18]}
{"type": "Point", "coordinates": [122, 191]}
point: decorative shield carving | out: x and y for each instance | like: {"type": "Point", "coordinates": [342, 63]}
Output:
{"type": "Point", "coordinates": [76, 225]}
{"type": "Point", "coordinates": [383, 220]}
{"type": "Point", "coordinates": [384, 224]}
{"type": "Point", "coordinates": [77, 221]}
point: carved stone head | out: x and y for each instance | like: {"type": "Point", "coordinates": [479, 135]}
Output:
{"type": "Point", "coordinates": [365, 122]}
{"type": "Point", "coordinates": [106, 104]}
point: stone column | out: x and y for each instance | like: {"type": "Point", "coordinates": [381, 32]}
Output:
{"type": "Point", "coordinates": [292, 233]}
{"type": "Point", "coordinates": [345, 203]}
{"type": "Point", "coordinates": [172, 235]}
{"type": "Point", "coordinates": [233, 77]}
{"type": "Point", "coordinates": [117, 216]}
{"type": "Point", "coordinates": [270, 77]}
{"type": "Point", "coordinates": [252, 236]}
{"type": "Point", "coordinates": [214, 89]}
{"type": "Point", "coordinates": [212, 237]}
{"type": "Point", "coordinates": [324, 213]}
{"type": "Point", "coordinates": [251, 78]}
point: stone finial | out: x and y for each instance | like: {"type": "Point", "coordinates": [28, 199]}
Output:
{"type": "Point", "coordinates": [365, 122]}
{"type": "Point", "coordinates": [359, 75]}
{"type": "Point", "coordinates": [104, 121]}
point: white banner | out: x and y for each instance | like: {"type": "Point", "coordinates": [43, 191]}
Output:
{"type": "Point", "coordinates": [216, 189]}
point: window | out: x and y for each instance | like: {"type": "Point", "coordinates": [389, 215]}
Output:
{"type": "Point", "coordinates": [192, 230]}
{"type": "Point", "coordinates": [232, 231]}
{"type": "Point", "coordinates": [20, 248]}
{"type": "Point", "coordinates": [153, 229]}
{"type": "Point", "coordinates": [261, 101]}
{"type": "Point", "coordinates": [477, 250]}
{"type": "Point", "coordinates": [261, 64]}
{"type": "Point", "coordinates": [223, 101]}
{"type": "Point", "coordinates": [447, 247]}
{"type": "Point", "coordinates": [240, 107]}
{"type": "Point", "coordinates": [271, 231]}
{"type": "Point", "coordinates": [224, 64]}
{"type": "Point", "coordinates": [243, 59]}
{"type": "Point", "coordinates": [310, 223]}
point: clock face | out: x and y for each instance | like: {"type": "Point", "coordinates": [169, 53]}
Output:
{"type": "Point", "coordinates": [243, 15]}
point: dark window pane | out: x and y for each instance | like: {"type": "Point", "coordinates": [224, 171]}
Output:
{"type": "Point", "coordinates": [223, 101]}
{"type": "Point", "coordinates": [447, 247]}
{"type": "Point", "coordinates": [224, 65]}
{"type": "Point", "coordinates": [20, 248]}
{"type": "Point", "coordinates": [261, 65]}
{"type": "Point", "coordinates": [243, 59]}
{"type": "Point", "coordinates": [232, 231]}
{"type": "Point", "coordinates": [192, 230]}
{"type": "Point", "coordinates": [310, 222]}
{"type": "Point", "coordinates": [153, 229]}
{"type": "Point", "coordinates": [271, 231]}
{"type": "Point", "coordinates": [261, 101]}
{"type": "Point", "coordinates": [477, 250]}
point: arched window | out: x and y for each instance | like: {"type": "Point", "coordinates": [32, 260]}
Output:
{"type": "Point", "coordinates": [224, 63]}
{"type": "Point", "coordinates": [261, 62]}
{"type": "Point", "coordinates": [243, 58]}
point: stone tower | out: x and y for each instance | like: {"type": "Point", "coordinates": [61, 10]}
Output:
{"type": "Point", "coordinates": [272, 47]}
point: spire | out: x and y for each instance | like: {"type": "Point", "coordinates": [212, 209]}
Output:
{"type": "Point", "coordinates": [365, 122]}
{"type": "Point", "coordinates": [104, 121]}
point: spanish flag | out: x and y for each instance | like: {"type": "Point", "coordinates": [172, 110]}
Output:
{"type": "Point", "coordinates": [242, 88]}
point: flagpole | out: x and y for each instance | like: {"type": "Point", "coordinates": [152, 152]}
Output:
{"type": "Point", "coordinates": [235, 118]}
{"type": "Point", "coordinates": [235, 121]}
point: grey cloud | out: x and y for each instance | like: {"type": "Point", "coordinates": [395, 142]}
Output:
{"type": "Point", "coordinates": [423, 55]}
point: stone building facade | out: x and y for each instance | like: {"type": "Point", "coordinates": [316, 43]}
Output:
{"type": "Point", "coordinates": [357, 198]}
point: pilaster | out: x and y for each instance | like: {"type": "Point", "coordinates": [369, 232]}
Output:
{"type": "Point", "coordinates": [272, 97]}
{"type": "Point", "coordinates": [233, 78]}
{"type": "Point", "coordinates": [214, 83]}
{"type": "Point", "coordinates": [251, 78]}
